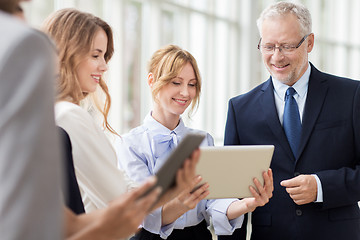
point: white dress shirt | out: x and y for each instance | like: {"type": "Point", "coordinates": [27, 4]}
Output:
{"type": "Point", "coordinates": [141, 153]}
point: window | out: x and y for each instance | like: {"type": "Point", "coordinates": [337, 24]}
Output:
{"type": "Point", "coordinates": [221, 34]}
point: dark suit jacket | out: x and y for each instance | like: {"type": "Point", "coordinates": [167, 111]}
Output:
{"type": "Point", "coordinates": [329, 147]}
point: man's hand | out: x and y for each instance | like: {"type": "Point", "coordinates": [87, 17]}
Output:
{"type": "Point", "coordinates": [302, 189]}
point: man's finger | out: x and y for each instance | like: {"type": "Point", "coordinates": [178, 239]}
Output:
{"type": "Point", "coordinates": [293, 190]}
{"type": "Point", "coordinates": [290, 182]}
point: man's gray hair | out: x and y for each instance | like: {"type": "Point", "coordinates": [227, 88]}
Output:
{"type": "Point", "coordinates": [283, 8]}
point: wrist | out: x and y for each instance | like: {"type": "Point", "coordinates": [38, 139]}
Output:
{"type": "Point", "coordinates": [249, 205]}
{"type": "Point", "coordinates": [172, 211]}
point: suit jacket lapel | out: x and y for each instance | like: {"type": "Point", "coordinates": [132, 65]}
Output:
{"type": "Point", "coordinates": [272, 117]}
{"type": "Point", "coordinates": [317, 90]}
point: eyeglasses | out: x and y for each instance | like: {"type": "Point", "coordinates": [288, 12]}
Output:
{"type": "Point", "coordinates": [284, 49]}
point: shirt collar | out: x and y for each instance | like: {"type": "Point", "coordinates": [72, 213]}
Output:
{"type": "Point", "coordinates": [300, 86]}
{"type": "Point", "coordinates": [157, 128]}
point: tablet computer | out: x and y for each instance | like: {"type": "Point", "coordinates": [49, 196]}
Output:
{"type": "Point", "coordinates": [230, 170]}
{"type": "Point", "coordinates": [166, 175]}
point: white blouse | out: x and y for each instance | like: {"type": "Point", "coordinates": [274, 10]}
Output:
{"type": "Point", "coordinates": [95, 161]}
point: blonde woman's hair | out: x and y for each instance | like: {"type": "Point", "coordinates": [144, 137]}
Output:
{"type": "Point", "coordinates": [166, 64]}
{"type": "Point", "coordinates": [73, 32]}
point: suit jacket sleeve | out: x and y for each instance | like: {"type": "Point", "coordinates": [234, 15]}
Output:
{"type": "Point", "coordinates": [342, 186]}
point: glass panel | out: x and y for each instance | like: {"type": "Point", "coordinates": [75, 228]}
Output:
{"type": "Point", "coordinates": [340, 29]}
{"type": "Point", "coordinates": [183, 2]}
{"type": "Point", "coordinates": [340, 59]}
{"type": "Point", "coordinates": [198, 39]}
{"type": "Point", "coordinates": [354, 23]}
{"type": "Point", "coordinates": [222, 8]}
{"type": "Point", "coordinates": [92, 6]}
{"type": "Point", "coordinates": [202, 5]}
{"type": "Point", "coordinates": [354, 60]}
{"type": "Point", "coordinates": [132, 65]}
{"type": "Point", "coordinates": [198, 48]}
{"type": "Point", "coordinates": [219, 82]}
{"type": "Point", "coordinates": [167, 33]}
{"type": "Point", "coordinates": [65, 3]}
{"type": "Point", "coordinates": [37, 10]}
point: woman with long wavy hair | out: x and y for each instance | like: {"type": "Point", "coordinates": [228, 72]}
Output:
{"type": "Point", "coordinates": [85, 46]}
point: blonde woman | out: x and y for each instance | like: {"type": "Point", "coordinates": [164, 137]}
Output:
{"type": "Point", "coordinates": [85, 45]}
{"type": "Point", "coordinates": [175, 83]}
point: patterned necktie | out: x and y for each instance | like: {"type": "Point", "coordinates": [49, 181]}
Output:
{"type": "Point", "coordinates": [292, 123]}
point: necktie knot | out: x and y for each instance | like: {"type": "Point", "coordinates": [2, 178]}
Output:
{"type": "Point", "coordinates": [289, 92]}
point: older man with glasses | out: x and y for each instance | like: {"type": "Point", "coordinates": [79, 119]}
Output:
{"type": "Point", "coordinates": [313, 119]}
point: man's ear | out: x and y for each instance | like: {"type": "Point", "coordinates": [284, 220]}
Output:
{"type": "Point", "coordinates": [311, 41]}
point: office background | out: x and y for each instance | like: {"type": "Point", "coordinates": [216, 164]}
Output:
{"type": "Point", "coordinates": [223, 37]}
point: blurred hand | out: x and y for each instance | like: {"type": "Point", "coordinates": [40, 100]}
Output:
{"type": "Point", "coordinates": [302, 189]}
{"type": "Point", "coordinates": [126, 213]}
{"type": "Point", "coordinates": [119, 220]}
{"type": "Point", "coordinates": [184, 178]}
{"type": "Point", "coordinates": [188, 199]}
{"type": "Point", "coordinates": [185, 201]}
